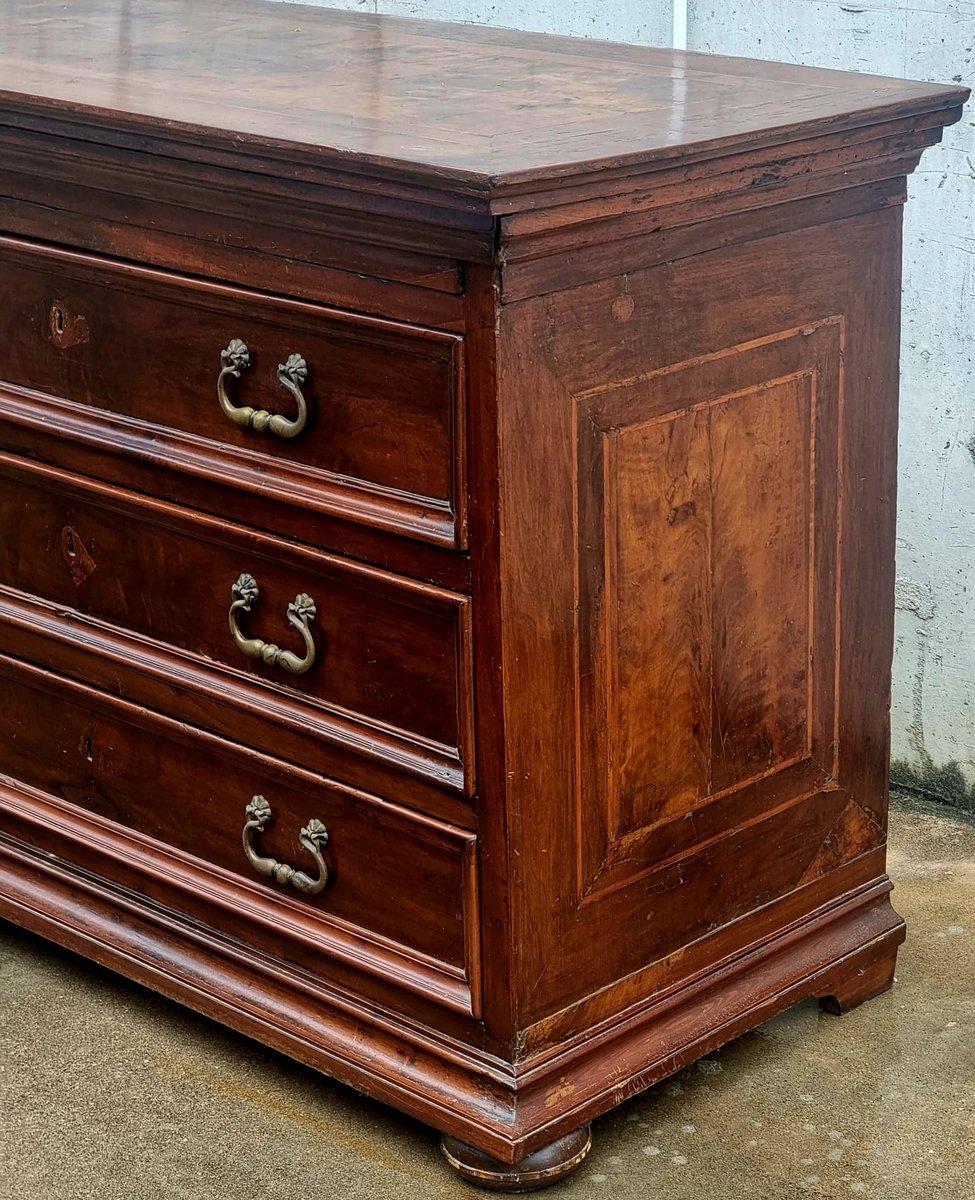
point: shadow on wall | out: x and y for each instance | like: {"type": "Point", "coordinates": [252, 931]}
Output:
{"type": "Point", "coordinates": [946, 784]}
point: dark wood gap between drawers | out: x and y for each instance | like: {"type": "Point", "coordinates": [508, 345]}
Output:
{"type": "Point", "coordinates": [34, 427]}
{"type": "Point", "coordinates": [161, 511]}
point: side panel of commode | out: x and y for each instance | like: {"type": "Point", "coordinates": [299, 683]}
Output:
{"type": "Point", "coordinates": [697, 553]}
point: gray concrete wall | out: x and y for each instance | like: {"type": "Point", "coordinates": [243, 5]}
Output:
{"type": "Point", "coordinates": [645, 21]}
{"type": "Point", "coordinates": [933, 714]}
{"type": "Point", "coordinates": [934, 666]}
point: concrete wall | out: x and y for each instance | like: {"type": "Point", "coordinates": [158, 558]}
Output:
{"type": "Point", "coordinates": [934, 668]}
{"type": "Point", "coordinates": [644, 21]}
{"type": "Point", "coordinates": [934, 664]}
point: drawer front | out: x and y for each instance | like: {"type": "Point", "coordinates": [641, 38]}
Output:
{"type": "Point", "coordinates": [358, 416]}
{"type": "Point", "coordinates": [303, 858]}
{"type": "Point", "coordinates": [380, 661]}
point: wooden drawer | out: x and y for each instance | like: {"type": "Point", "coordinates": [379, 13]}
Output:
{"type": "Point", "coordinates": [382, 442]}
{"type": "Point", "coordinates": [390, 673]}
{"type": "Point", "coordinates": [170, 812]}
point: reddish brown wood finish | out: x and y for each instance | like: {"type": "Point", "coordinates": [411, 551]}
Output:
{"type": "Point", "coordinates": [356, 90]}
{"type": "Point", "coordinates": [820, 800]}
{"type": "Point", "coordinates": [198, 475]}
{"type": "Point", "coordinates": [530, 1174]}
{"type": "Point", "coordinates": [402, 887]}
{"type": "Point", "coordinates": [863, 982]}
{"type": "Point", "coordinates": [385, 435]}
{"type": "Point", "coordinates": [597, 504]}
{"type": "Point", "coordinates": [392, 675]}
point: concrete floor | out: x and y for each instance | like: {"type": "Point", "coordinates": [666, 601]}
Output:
{"type": "Point", "coordinates": [109, 1092]}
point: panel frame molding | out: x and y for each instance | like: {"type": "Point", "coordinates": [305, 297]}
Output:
{"type": "Point", "coordinates": [608, 858]}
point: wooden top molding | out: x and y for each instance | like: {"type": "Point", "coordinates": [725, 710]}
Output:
{"type": "Point", "coordinates": [494, 138]}
{"type": "Point", "coordinates": [489, 110]}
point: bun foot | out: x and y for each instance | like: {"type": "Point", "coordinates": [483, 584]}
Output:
{"type": "Point", "coordinates": [546, 1166]}
{"type": "Point", "coordinates": [861, 983]}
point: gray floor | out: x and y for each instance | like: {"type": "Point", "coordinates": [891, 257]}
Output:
{"type": "Point", "coordinates": [108, 1091]}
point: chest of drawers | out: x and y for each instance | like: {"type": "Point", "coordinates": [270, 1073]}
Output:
{"type": "Point", "coordinates": [447, 512]}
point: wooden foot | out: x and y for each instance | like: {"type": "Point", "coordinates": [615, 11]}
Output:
{"type": "Point", "coordinates": [862, 982]}
{"type": "Point", "coordinates": [546, 1166]}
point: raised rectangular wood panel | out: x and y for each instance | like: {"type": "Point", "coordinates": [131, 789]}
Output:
{"type": "Point", "coordinates": [596, 504]}
{"type": "Point", "coordinates": [742, 599]}
{"type": "Point", "coordinates": [707, 529]}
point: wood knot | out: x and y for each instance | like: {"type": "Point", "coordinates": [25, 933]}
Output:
{"type": "Point", "coordinates": [682, 512]}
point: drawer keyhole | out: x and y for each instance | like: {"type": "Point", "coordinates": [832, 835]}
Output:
{"type": "Point", "coordinates": [74, 552]}
{"type": "Point", "coordinates": [67, 329]}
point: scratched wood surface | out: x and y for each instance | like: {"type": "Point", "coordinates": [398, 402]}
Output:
{"type": "Point", "coordinates": [192, 796]}
{"type": "Point", "coordinates": [388, 653]}
{"type": "Point", "coordinates": [710, 600]}
{"type": "Point", "coordinates": [713, 591]}
{"type": "Point", "coordinates": [373, 88]}
{"type": "Point", "coordinates": [394, 450]}
{"type": "Point", "coordinates": [597, 504]}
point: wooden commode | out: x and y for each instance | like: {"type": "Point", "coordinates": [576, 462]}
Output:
{"type": "Point", "coordinates": [447, 541]}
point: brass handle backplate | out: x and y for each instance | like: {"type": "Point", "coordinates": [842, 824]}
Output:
{"type": "Point", "coordinates": [314, 838]}
{"type": "Point", "coordinates": [301, 612]}
{"type": "Point", "coordinates": [291, 375]}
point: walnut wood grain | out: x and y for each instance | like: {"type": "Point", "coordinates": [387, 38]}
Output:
{"type": "Point", "coordinates": [402, 385]}
{"type": "Point", "coordinates": [393, 677]}
{"type": "Point", "coordinates": [601, 543]}
{"type": "Point", "coordinates": [240, 709]}
{"type": "Point", "coordinates": [456, 1088]}
{"type": "Point", "coordinates": [366, 91]}
{"type": "Point", "coordinates": [151, 459]}
{"type": "Point", "coordinates": [402, 886]}
{"type": "Point", "coordinates": [342, 117]}
{"type": "Point", "coordinates": [826, 814]}
{"type": "Point", "coordinates": [540, 1169]}
{"type": "Point", "coordinates": [186, 248]}
{"type": "Point", "coordinates": [863, 980]}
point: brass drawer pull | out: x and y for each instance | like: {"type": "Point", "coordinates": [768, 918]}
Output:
{"type": "Point", "coordinates": [291, 375]}
{"type": "Point", "coordinates": [301, 612]}
{"type": "Point", "coordinates": [314, 838]}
